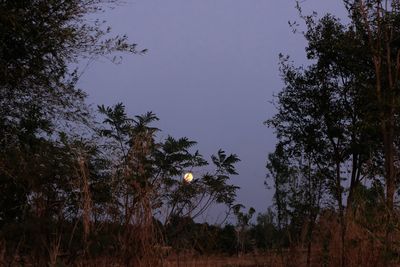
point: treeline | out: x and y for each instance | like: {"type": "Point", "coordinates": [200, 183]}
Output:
{"type": "Point", "coordinates": [335, 166]}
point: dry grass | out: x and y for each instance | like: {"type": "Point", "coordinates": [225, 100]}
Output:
{"type": "Point", "coordinates": [184, 261]}
{"type": "Point", "coordinates": [223, 261]}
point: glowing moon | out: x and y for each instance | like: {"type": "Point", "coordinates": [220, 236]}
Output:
{"type": "Point", "coordinates": [188, 177]}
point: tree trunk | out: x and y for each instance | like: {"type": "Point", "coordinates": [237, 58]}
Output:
{"type": "Point", "coordinates": [309, 254]}
{"type": "Point", "coordinates": [390, 183]}
{"type": "Point", "coordinates": [341, 217]}
{"type": "Point", "coordinates": [310, 234]}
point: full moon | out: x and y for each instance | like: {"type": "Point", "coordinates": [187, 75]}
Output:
{"type": "Point", "coordinates": [188, 177]}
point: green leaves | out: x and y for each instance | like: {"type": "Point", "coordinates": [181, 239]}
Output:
{"type": "Point", "coordinates": [225, 164]}
{"type": "Point", "coordinates": [117, 119]}
{"type": "Point", "coordinates": [158, 167]}
{"type": "Point", "coordinates": [321, 123]}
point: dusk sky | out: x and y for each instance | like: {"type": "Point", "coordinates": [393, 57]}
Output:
{"type": "Point", "coordinates": [210, 74]}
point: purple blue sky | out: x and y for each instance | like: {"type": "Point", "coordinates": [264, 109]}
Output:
{"type": "Point", "coordinates": [210, 74]}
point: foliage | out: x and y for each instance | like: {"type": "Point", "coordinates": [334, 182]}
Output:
{"type": "Point", "coordinates": [74, 187]}
{"type": "Point", "coordinates": [337, 129]}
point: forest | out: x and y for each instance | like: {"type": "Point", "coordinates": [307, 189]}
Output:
{"type": "Point", "coordinates": [85, 186]}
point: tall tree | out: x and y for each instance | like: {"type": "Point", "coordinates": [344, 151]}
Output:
{"type": "Point", "coordinates": [378, 22]}
{"type": "Point", "coordinates": [325, 120]}
{"type": "Point", "coordinates": [40, 41]}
